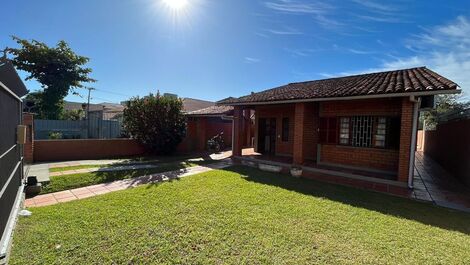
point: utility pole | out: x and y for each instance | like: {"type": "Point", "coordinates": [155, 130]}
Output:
{"type": "Point", "coordinates": [88, 111]}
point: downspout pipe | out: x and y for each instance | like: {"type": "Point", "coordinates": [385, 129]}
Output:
{"type": "Point", "coordinates": [414, 131]}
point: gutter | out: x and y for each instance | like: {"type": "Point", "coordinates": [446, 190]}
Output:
{"type": "Point", "coordinates": [414, 130]}
{"type": "Point", "coordinates": [392, 95]}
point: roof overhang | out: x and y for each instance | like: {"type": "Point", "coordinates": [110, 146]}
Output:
{"type": "Point", "coordinates": [10, 80]}
{"type": "Point", "coordinates": [223, 116]}
{"type": "Point", "coordinates": [391, 95]}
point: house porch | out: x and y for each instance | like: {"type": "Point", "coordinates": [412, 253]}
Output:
{"type": "Point", "coordinates": [295, 135]}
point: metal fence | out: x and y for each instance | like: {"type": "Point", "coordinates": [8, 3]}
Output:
{"type": "Point", "coordinates": [11, 168]}
{"type": "Point", "coordinates": [94, 127]}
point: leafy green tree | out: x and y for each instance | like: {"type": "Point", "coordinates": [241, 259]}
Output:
{"type": "Point", "coordinates": [444, 104]}
{"type": "Point", "coordinates": [73, 115]}
{"type": "Point", "coordinates": [33, 103]}
{"type": "Point", "coordinates": [58, 69]}
{"type": "Point", "coordinates": [156, 121]}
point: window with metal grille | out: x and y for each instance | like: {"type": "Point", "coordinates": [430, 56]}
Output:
{"type": "Point", "coordinates": [344, 130]}
{"type": "Point", "coordinates": [362, 131]}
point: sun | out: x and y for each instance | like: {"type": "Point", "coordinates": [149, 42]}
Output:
{"type": "Point", "coordinates": [176, 5]}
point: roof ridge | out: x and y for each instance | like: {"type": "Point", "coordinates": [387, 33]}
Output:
{"type": "Point", "coordinates": [357, 75]}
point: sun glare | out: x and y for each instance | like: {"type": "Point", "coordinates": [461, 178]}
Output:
{"type": "Point", "coordinates": [176, 5]}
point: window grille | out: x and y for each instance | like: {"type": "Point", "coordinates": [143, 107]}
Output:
{"type": "Point", "coordinates": [362, 131]}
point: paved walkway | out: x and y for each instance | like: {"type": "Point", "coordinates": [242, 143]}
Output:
{"type": "Point", "coordinates": [103, 169]}
{"type": "Point", "coordinates": [433, 183]}
{"type": "Point", "coordinates": [90, 191]}
{"type": "Point", "coordinates": [41, 170]}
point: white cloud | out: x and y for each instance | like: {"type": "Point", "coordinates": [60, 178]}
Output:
{"type": "Point", "coordinates": [444, 49]}
{"type": "Point", "coordinates": [296, 7]}
{"type": "Point", "coordinates": [375, 6]}
{"type": "Point", "coordinates": [318, 10]}
{"type": "Point", "coordinates": [285, 31]}
{"type": "Point", "coordinates": [360, 51]}
{"type": "Point", "coordinates": [252, 60]}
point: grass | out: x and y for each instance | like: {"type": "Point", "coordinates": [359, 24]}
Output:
{"type": "Point", "coordinates": [143, 160]}
{"type": "Point", "coordinates": [59, 169]}
{"type": "Point", "coordinates": [242, 216]}
{"type": "Point", "coordinates": [72, 181]}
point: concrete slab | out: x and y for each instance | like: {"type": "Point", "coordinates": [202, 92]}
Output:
{"type": "Point", "coordinates": [41, 171]}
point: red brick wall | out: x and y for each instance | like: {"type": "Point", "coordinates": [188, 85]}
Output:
{"type": "Point", "coordinates": [391, 106]}
{"type": "Point", "coordinates": [449, 145]}
{"type": "Point", "coordinates": [28, 150]}
{"type": "Point", "coordinates": [77, 149]}
{"type": "Point", "coordinates": [310, 131]}
{"type": "Point", "coordinates": [374, 158]}
{"type": "Point", "coordinates": [405, 139]}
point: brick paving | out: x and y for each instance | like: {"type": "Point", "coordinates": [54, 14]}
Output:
{"type": "Point", "coordinates": [90, 191]}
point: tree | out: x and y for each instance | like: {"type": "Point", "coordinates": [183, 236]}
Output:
{"type": "Point", "coordinates": [73, 114]}
{"type": "Point", "coordinates": [58, 69]}
{"type": "Point", "coordinates": [33, 104]}
{"type": "Point", "coordinates": [156, 121]}
{"type": "Point", "coordinates": [444, 104]}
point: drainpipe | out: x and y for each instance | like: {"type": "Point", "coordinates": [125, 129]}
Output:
{"type": "Point", "coordinates": [414, 130]}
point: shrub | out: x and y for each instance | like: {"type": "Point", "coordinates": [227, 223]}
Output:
{"type": "Point", "coordinates": [55, 135]}
{"type": "Point", "coordinates": [156, 121]}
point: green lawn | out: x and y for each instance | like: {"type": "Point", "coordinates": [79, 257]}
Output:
{"type": "Point", "coordinates": [242, 216]}
{"type": "Point", "coordinates": [59, 169]}
{"type": "Point", "coordinates": [152, 160]}
{"type": "Point", "coordinates": [72, 181]}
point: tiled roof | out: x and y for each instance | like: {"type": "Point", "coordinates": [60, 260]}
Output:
{"type": "Point", "coordinates": [382, 83]}
{"type": "Point", "coordinates": [213, 110]}
{"type": "Point", "coordinates": [9, 77]}
{"type": "Point", "coordinates": [191, 104]}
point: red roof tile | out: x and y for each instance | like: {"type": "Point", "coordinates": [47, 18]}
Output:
{"type": "Point", "coordinates": [212, 110]}
{"type": "Point", "coordinates": [382, 83]}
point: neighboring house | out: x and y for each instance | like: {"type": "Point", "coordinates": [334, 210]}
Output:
{"type": "Point", "coordinates": [360, 127]}
{"type": "Point", "coordinates": [204, 124]}
{"type": "Point", "coordinates": [107, 111]}
{"type": "Point", "coordinates": [191, 104]}
{"type": "Point", "coordinates": [11, 151]}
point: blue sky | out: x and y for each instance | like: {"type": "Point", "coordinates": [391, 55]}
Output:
{"type": "Point", "coordinates": [212, 49]}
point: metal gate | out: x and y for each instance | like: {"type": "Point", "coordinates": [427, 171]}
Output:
{"type": "Point", "coordinates": [11, 161]}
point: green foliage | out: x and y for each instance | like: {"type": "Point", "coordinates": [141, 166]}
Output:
{"type": "Point", "coordinates": [156, 121]}
{"type": "Point", "coordinates": [33, 103]}
{"type": "Point", "coordinates": [73, 115]}
{"type": "Point", "coordinates": [55, 135]}
{"type": "Point", "coordinates": [444, 104]}
{"type": "Point", "coordinates": [58, 69]}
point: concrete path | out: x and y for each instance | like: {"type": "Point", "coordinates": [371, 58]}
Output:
{"type": "Point", "coordinates": [90, 191]}
{"type": "Point", "coordinates": [102, 169]}
{"type": "Point", "coordinates": [41, 170]}
{"type": "Point", "coordinates": [433, 183]}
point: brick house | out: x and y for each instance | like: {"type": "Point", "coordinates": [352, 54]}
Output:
{"type": "Point", "coordinates": [357, 130]}
{"type": "Point", "coordinates": [203, 124]}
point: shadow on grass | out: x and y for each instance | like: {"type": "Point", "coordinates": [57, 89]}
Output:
{"type": "Point", "coordinates": [425, 213]}
{"type": "Point", "coordinates": [163, 172]}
